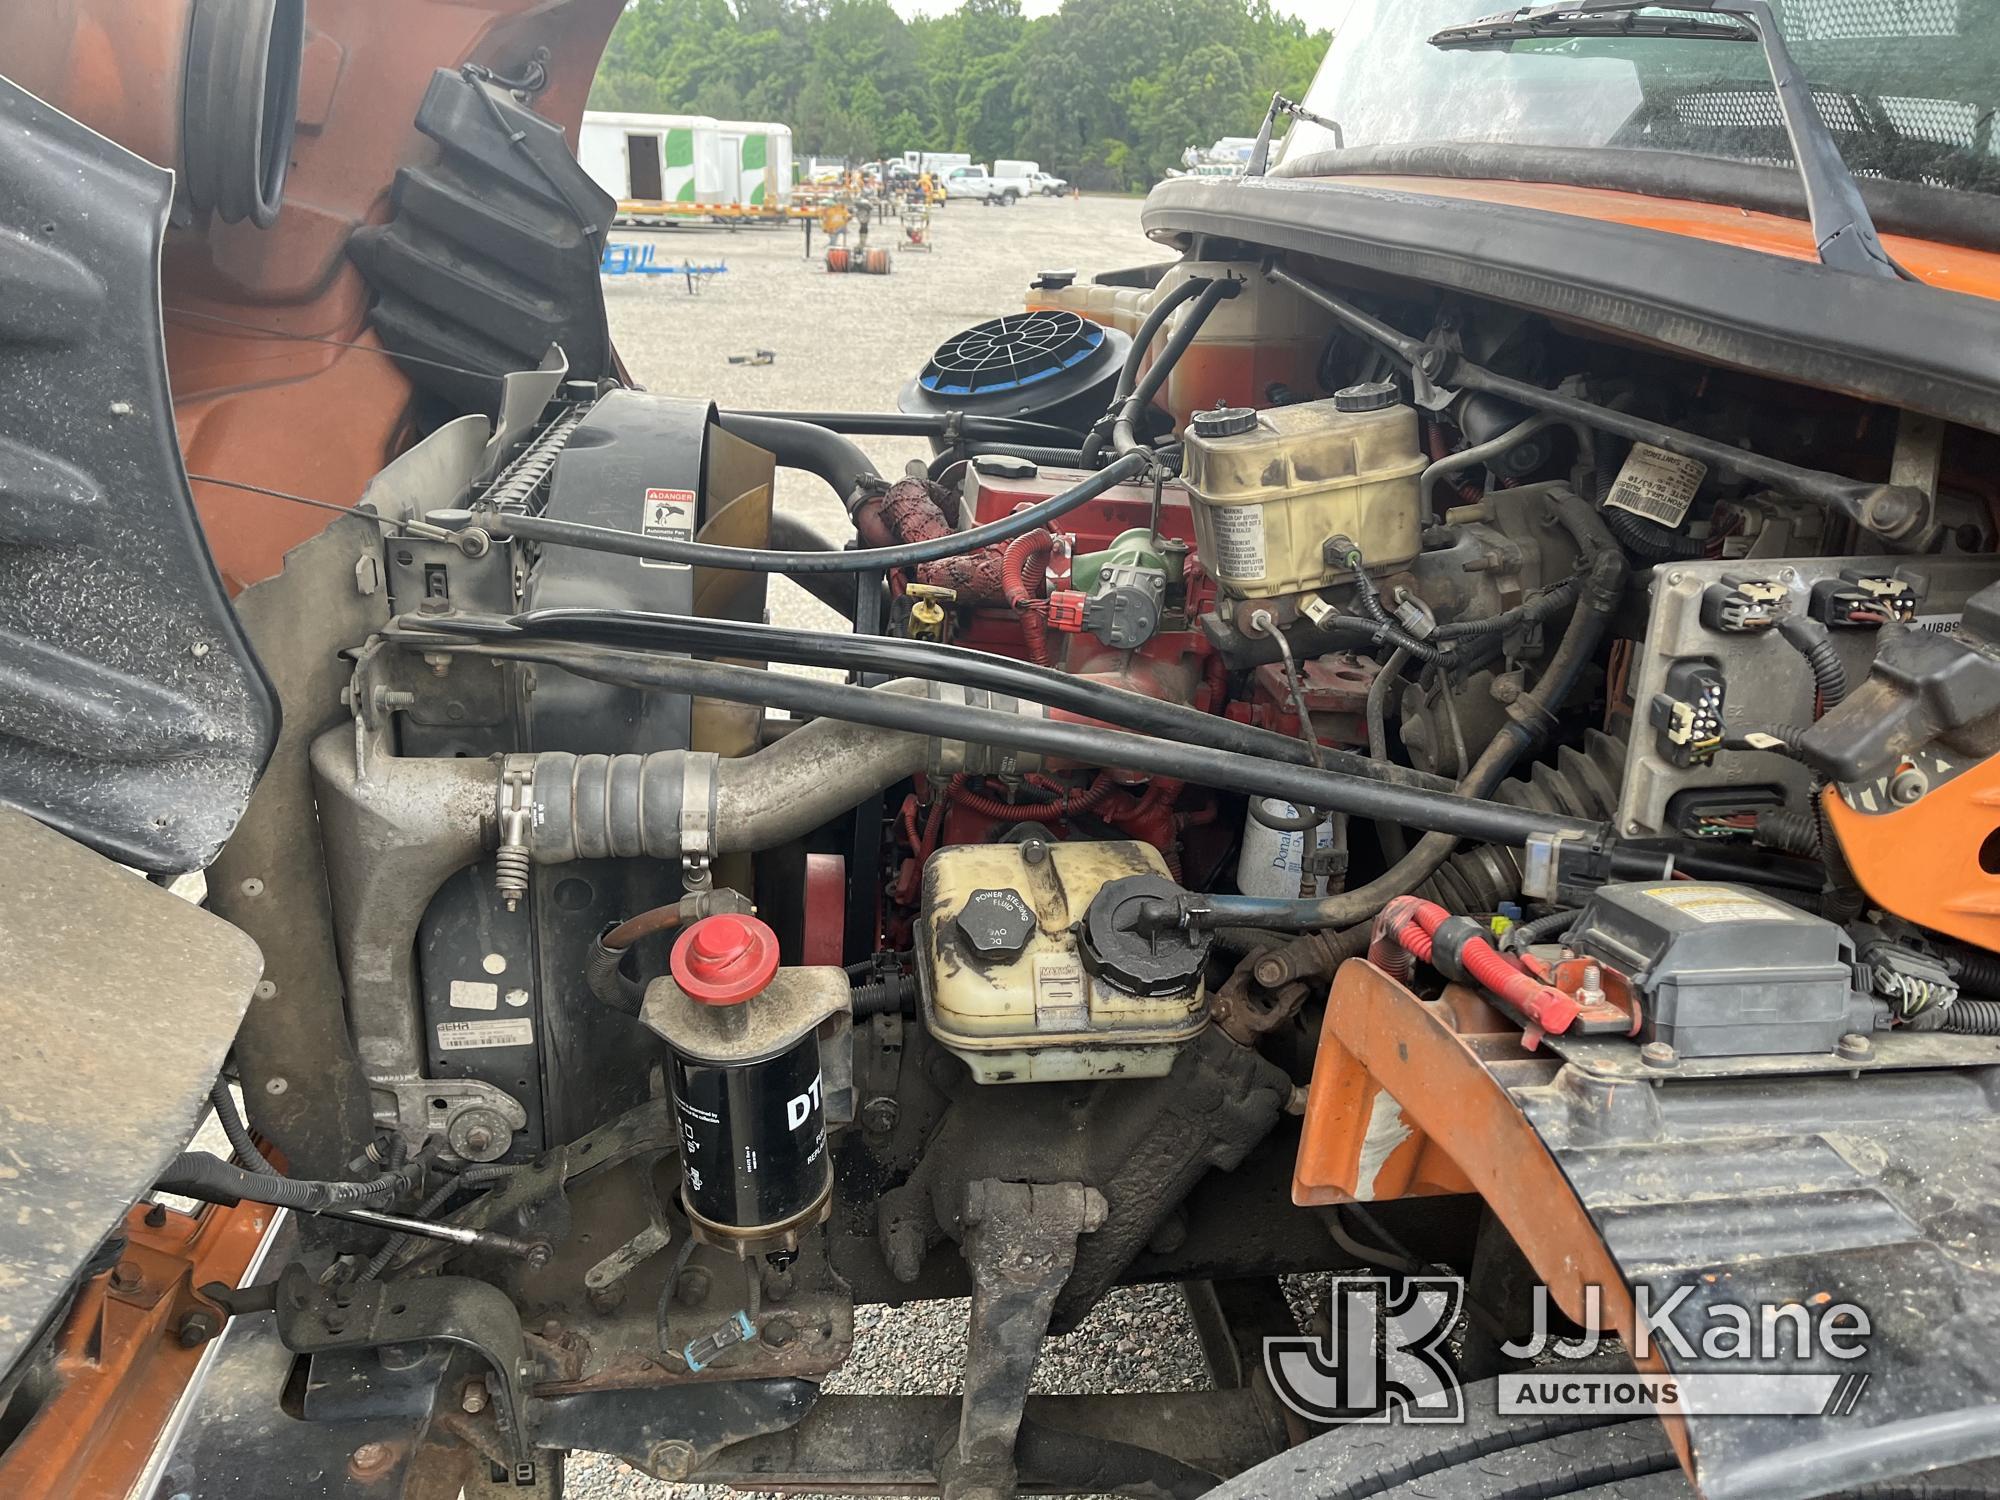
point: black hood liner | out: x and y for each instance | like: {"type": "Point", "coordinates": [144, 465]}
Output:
{"type": "Point", "coordinates": [133, 714]}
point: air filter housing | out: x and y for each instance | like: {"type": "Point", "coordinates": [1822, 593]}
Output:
{"type": "Point", "coordinates": [1049, 365]}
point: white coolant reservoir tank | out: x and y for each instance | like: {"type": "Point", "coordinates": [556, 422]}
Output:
{"type": "Point", "coordinates": [1271, 861]}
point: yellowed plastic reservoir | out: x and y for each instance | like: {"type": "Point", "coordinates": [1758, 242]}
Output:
{"type": "Point", "coordinates": [1267, 498]}
{"type": "Point", "coordinates": [1033, 1012]}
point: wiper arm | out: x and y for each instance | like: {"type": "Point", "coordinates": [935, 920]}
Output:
{"type": "Point", "coordinates": [1843, 231]}
{"type": "Point", "coordinates": [1260, 153]}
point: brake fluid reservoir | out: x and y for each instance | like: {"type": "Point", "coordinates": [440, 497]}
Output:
{"type": "Point", "coordinates": [1271, 487]}
{"type": "Point", "coordinates": [1028, 982]}
{"type": "Point", "coordinates": [744, 1070]}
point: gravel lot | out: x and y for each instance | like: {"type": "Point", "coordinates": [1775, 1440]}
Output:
{"type": "Point", "coordinates": [849, 342]}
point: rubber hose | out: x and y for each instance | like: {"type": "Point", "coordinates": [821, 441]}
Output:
{"type": "Point", "coordinates": [1124, 430]}
{"type": "Point", "coordinates": [886, 996]}
{"type": "Point", "coordinates": [1279, 822]}
{"type": "Point", "coordinates": [837, 591]}
{"type": "Point", "coordinates": [1973, 1017]}
{"type": "Point", "coordinates": [864, 560]}
{"type": "Point", "coordinates": [196, 1174]}
{"type": "Point", "coordinates": [248, 1156]}
{"type": "Point", "coordinates": [1394, 845]}
{"type": "Point", "coordinates": [1535, 711]}
{"type": "Point", "coordinates": [1814, 642]}
{"type": "Point", "coordinates": [971, 426]}
{"type": "Point", "coordinates": [884, 656]}
{"type": "Point", "coordinates": [804, 445]}
{"type": "Point", "coordinates": [604, 976]}
{"type": "Point", "coordinates": [1455, 814]}
{"type": "Point", "coordinates": [1128, 374]}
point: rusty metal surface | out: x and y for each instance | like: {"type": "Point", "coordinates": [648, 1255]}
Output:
{"type": "Point", "coordinates": [118, 1001]}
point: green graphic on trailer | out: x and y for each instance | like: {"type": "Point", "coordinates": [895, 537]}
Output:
{"type": "Point", "coordinates": [680, 164]}
{"type": "Point", "coordinates": [756, 149]}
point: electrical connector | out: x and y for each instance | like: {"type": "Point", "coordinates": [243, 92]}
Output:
{"type": "Point", "coordinates": [1687, 715]}
{"type": "Point", "coordinates": [1743, 606]}
{"type": "Point", "coordinates": [1861, 601]}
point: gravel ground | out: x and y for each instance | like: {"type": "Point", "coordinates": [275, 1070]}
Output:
{"type": "Point", "coordinates": [846, 343]}
{"type": "Point", "coordinates": [849, 342]}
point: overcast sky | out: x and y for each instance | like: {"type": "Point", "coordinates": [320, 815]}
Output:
{"type": "Point", "coordinates": [1318, 13]}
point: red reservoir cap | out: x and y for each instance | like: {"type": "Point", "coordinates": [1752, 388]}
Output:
{"type": "Point", "coordinates": [724, 960]}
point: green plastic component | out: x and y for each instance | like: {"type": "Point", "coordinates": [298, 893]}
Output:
{"type": "Point", "coordinates": [1129, 549]}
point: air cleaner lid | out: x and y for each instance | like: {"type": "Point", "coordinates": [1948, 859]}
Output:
{"type": "Point", "coordinates": [725, 959]}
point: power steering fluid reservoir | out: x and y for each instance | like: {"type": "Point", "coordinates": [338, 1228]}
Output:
{"type": "Point", "coordinates": [743, 1063]}
{"type": "Point", "coordinates": [1271, 487]}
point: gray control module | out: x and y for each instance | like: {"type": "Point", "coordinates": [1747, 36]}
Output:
{"type": "Point", "coordinates": [1724, 971]}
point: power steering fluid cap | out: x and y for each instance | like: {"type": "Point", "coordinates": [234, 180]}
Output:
{"type": "Point", "coordinates": [725, 959]}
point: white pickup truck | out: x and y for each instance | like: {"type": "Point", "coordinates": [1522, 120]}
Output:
{"type": "Point", "coordinates": [977, 182]}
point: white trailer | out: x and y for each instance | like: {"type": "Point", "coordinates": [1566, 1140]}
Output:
{"type": "Point", "coordinates": [937, 163]}
{"type": "Point", "coordinates": [694, 161]}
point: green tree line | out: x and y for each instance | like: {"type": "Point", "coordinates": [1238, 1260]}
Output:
{"type": "Point", "coordinates": [1107, 93]}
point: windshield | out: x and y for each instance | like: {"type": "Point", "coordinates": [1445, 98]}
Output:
{"type": "Point", "coordinates": [1907, 87]}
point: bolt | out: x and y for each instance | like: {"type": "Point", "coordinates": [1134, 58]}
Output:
{"type": "Point", "coordinates": [473, 1398]}
{"type": "Point", "coordinates": [778, 1283]}
{"type": "Point", "coordinates": [1907, 785]}
{"type": "Point", "coordinates": [778, 1332]}
{"type": "Point", "coordinates": [197, 1327]}
{"type": "Point", "coordinates": [1854, 1046]}
{"type": "Point", "coordinates": [692, 1289]}
{"type": "Point", "coordinates": [371, 1460]}
{"type": "Point", "coordinates": [1034, 851]}
{"type": "Point", "coordinates": [880, 1114]}
{"type": "Point", "coordinates": [127, 1277]}
{"type": "Point", "coordinates": [1659, 1055]}
{"type": "Point", "coordinates": [478, 1140]}
{"type": "Point", "coordinates": [438, 661]}
{"type": "Point", "coordinates": [672, 1459]}
{"type": "Point", "coordinates": [1506, 689]}
{"type": "Point", "coordinates": [1591, 991]}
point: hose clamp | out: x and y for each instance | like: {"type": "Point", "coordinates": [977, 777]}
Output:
{"type": "Point", "coordinates": [698, 792]}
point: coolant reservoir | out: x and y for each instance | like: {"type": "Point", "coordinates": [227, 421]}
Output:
{"type": "Point", "coordinates": [1270, 487]}
{"type": "Point", "coordinates": [1267, 334]}
{"type": "Point", "coordinates": [1012, 983]}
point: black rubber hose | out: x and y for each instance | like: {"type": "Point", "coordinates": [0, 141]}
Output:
{"type": "Point", "coordinates": [895, 994]}
{"type": "Point", "coordinates": [868, 560]}
{"type": "Point", "coordinates": [886, 656]}
{"type": "Point", "coordinates": [835, 590]}
{"type": "Point", "coordinates": [1814, 642]}
{"type": "Point", "coordinates": [604, 977]}
{"type": "Point", "coordinates": [1973, 1017]}
{"type": "Point", "coordinates": [972, 427]}
{"type": "Point", "coordinates": [1047, 458]}
{"type": "Point", "coordinates": [1125, 427]}
{"type": "Point", "coordinates": [1128, 374]}
{"type": "Point", "coordinates": [1455, 815]}
{"type": "Point", "coordinates": [804, 445]}
{"type": "Point", "coordinates": [196, 1174]}
{"type": "Point", "coordinates": [240, 1142]}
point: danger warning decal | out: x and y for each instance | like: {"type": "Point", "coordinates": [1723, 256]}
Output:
{"type": "Point", "coordinates": [669, 516]}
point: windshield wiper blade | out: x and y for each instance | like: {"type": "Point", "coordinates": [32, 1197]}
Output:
{"type": "Point", "coordinates": [1843, 230]}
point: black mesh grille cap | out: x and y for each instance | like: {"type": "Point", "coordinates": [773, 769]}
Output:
{"type": "Point", "coordinates": [1011, 352]}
